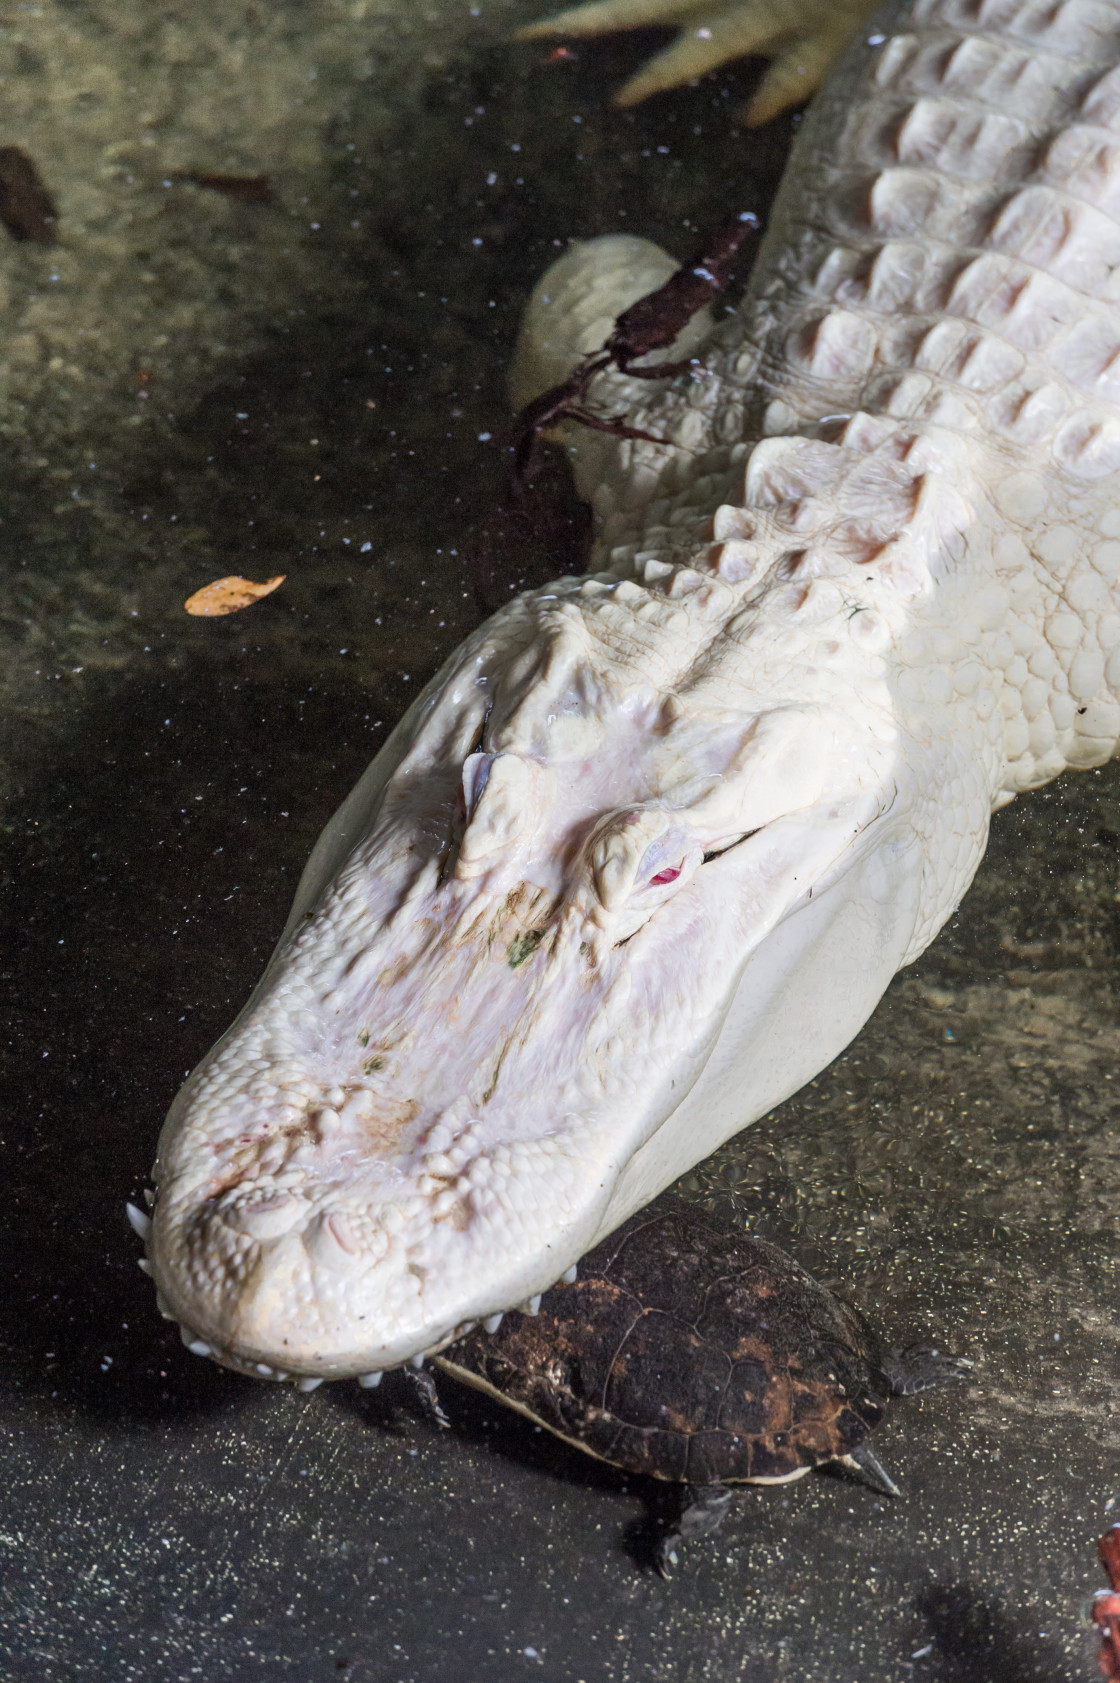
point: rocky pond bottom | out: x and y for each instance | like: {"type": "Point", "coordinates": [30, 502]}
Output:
{"type": "Point", "coordinates": [199, 381]}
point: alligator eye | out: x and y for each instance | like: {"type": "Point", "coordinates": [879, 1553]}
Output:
{"type": "Point", "coordinates": [669, 875]}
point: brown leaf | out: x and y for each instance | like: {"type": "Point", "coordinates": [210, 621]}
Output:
{"type": "Point", "coordinates": [226, 596]}
{"type": "Point", "coordinates": [253, 189]}
{"type": "Point", "coordinates": [26, 208]}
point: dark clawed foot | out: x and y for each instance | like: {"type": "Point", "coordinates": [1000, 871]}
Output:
{"type": "Point", "coordinates": [652, 323]}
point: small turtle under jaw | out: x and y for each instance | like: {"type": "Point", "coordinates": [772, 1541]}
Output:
{"type": "Point", "coordinates": [671, 1309]}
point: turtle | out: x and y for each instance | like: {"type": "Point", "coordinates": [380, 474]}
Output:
{"type": "Point", "coordinates": [689, 1351]}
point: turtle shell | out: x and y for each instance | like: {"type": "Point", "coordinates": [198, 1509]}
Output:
{"type": "Point", "coordinates": [687, 1351]}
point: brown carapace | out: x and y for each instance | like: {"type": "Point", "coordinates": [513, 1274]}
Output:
{"type": "Point", "coordinates": [688, 1351]}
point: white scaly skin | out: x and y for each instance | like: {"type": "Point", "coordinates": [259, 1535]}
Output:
{"type": "Point", "coordinates": [646, 852]}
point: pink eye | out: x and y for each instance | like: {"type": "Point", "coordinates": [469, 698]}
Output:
{"type": "Point", "coordinates": [669, 875]}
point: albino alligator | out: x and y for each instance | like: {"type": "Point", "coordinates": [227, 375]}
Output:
{"type": "Point", "coordinates": [647, 851]}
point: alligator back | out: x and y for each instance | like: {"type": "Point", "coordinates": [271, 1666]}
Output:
{"type": "Point", "coordinates": [938, 295]}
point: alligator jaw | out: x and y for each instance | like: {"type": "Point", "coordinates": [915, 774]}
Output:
{"type": "Point", "coordinates": [365, 1237]}
{"type": "Point", "coordinates": [473, 1056]}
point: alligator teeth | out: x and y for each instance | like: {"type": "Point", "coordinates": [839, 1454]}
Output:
{"type": "Point", "coordinates": [531, 1305]}
{"type": "Point", "coordinates": [308, 1384]}
{"type": "Point", "coordinates": [417, 1361]}
{"type": "Point", "coordinates": [492, 1323]}
{"type": "Point", "coordinates": [370, 1381]}
{"type": "Point", "coordinates": [149, 1197]}
{"type": "Point", "coordinates": [264, 1370]}
{"type": "Point", "coordinates": [193, 1342]}
{"type": "Point", "coordinates": [163, 1307]}
{"type": "Point", "coordinates": [569, 1275]}
{"type": "Point", "coordinates": [138, 1221]}
{"type": "Point", "coordinates": [144, 1265]}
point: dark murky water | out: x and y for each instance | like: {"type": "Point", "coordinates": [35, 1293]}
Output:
{"type": "Point", "coordinates": [195, 384]}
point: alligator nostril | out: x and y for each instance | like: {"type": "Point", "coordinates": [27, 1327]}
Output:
{"type": "Point", "coordinates": [267, 1218]}
{"type": "Point", "coordinates": [333, 1242]}
{"type": "Point", "coordinates": [343, 1233]}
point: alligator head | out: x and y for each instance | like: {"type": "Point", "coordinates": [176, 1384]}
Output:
{"type": "Point", "coordinates": [633, 868]}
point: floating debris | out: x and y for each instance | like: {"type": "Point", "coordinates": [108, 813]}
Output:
{"type": "Point", "coordinates": [228, 595]}
{"type": "Point", "coordinates": [26, 208]}
{"type": "Point", "coordinates": [251, 189]}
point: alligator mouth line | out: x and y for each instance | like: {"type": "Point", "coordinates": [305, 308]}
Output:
{"type": "Point", "coordinates": [141, 1224]}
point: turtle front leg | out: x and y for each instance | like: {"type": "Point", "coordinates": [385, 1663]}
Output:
{"type": "Point", "coordinates": [704, 1507]}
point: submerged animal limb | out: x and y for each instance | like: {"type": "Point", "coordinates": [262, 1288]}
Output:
{"type": "Point", "coordinates": [800, 37]}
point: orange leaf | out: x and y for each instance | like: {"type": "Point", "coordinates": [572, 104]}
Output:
{"type": "Point", "coordinates": [226, 596]}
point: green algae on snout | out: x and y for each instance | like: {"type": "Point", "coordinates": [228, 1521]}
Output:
{"type": "Point", "coordinates": [523, 946]}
